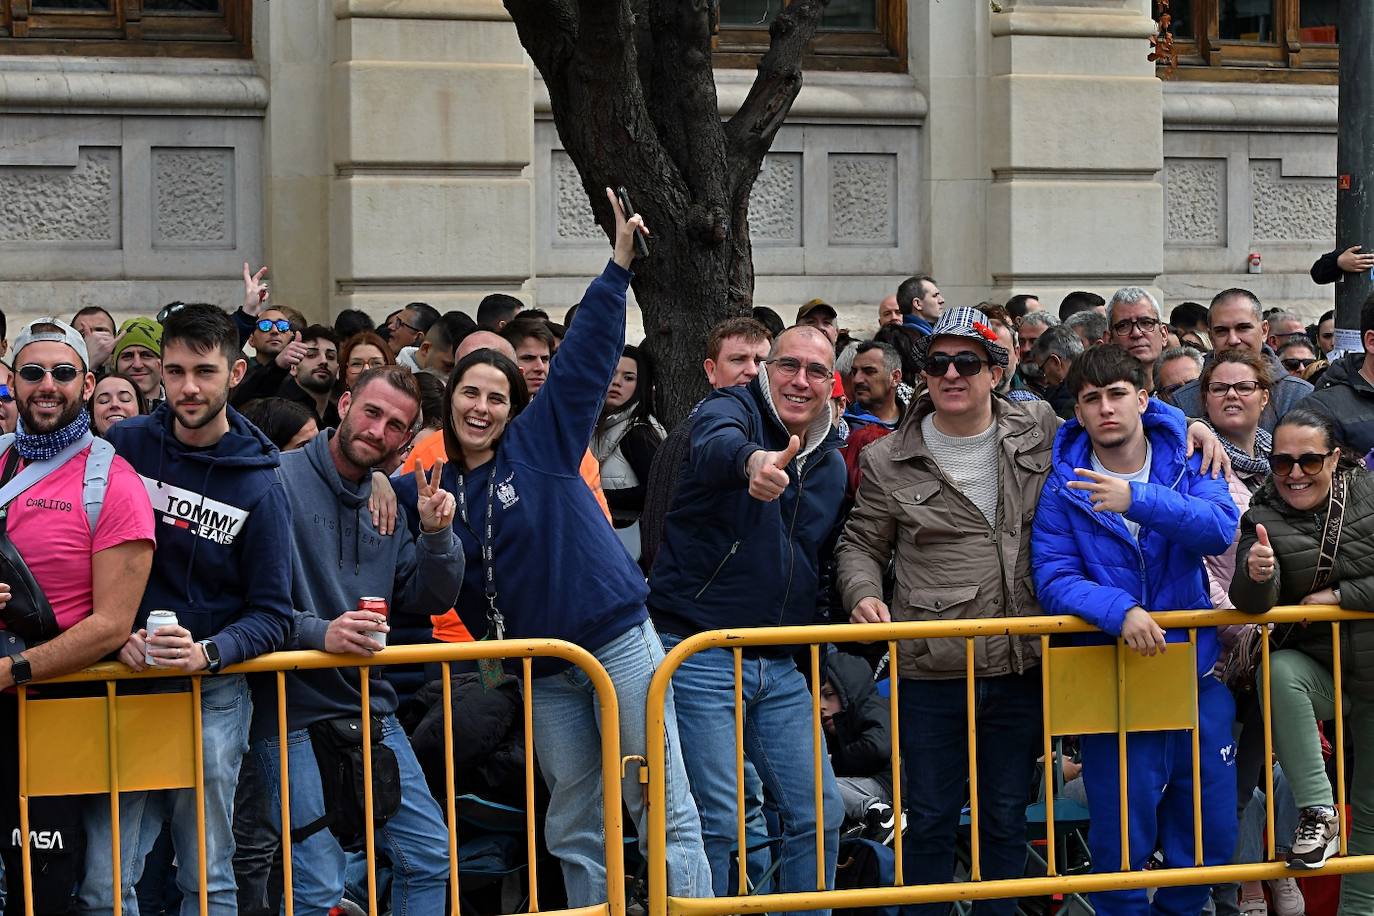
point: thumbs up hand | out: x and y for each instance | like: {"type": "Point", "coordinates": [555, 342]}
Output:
{"type": "Point", "coordinates": [291, 355]}
{"type": "Point", "coordinates": [1260, 563]}
{"type": "Point", "coordinates": [768, 471]}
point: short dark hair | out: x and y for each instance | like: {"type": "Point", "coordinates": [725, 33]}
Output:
{"type": "Point", "coordinates": [910, 289]}
{"type": "Point", "coordinates": [533, 312]}
{"type": "Point", "coordinates": [1188, 316]}
{"type": "Point", "coordinates": [748, 328]}
{"type": "Point", "coordinates": [523, 327]}
{"type": "Point", "coordinates": [905, 341]}
{"type": "Point", "coordinates": [496, 309]}
{"type": "Point", "coordinates": [1103, 366]}
{"type": "Point", "coordinates": [1016, 305]}
{"type": "Point", "coordinates": [450, 329]}
{"type": "Point", "coordinates": [1328, 315]}
{"type": "Point", "coordinates": [431, 399]}
{"type": "Point", "coordinates": [352, 321]}
{"type": "Point", "coordinates": [769, 319]}
{"type": "Point", "coordinates": [277, 418]}
{"type": "Point", "coordinates": [1236, 292]}
{"type": "Point", "coordinates": [93, 310]}
{"type": "Point", "coordinates": [319, 332]}
{"type": "Point", "coordinates": [1079, 301]}
{"type": "Point", "coordinates": [425, 315]}
{"type": "Point", "coordinates": [892, 360]}
{"type": "Point", "coordinates": [203, 327]}
{"type": "Point", "coordinates": [1297, 341]}
{"type": "Point", "coordinates": [519, 394]}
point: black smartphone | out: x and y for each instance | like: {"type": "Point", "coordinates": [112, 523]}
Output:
{"type": "Point", "coordinates": [641, 244]}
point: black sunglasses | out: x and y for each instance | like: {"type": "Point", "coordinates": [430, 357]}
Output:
{"type": "Point", "coordinates": [1311, 463]}
{"type": "Point", "coordinates": [1298, 363]}
{"type": "Point", "coordinates": [170, 308]}
{"type": "Point", "coordinates": [62, 373]}
{"type": "Point", "coordinates": [267, 324]}
{"type": "Point", "coordinates": [965, 362]}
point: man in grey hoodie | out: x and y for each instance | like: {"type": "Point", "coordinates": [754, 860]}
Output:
{"type": "Point", "coordinates": [338, 558]}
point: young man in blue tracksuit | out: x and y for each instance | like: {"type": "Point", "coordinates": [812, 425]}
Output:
{"type": "Point", "coordinates": [1122, 526]}
{"type": "Point", "coordinates": [759, 494]}
{"type": "Point", "coordinates": [223, 566]}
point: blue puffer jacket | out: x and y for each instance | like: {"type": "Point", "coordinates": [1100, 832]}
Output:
{"type": "Point", "coordinates": [729, 560]}
{"type": "Point", "coordinates": [1087, 563]}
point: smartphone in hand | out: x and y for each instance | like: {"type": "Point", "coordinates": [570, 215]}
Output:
{"type": "Point", "coordinates": [641, 244]}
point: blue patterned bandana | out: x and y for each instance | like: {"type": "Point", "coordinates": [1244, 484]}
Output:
{"type": "Point", "coordinates": [43, 446]}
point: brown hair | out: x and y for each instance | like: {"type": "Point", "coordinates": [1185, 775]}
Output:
{"type": "Point", "coordinates": [1263, 375]}
{"type": "Point", "coordinates": [751, 330]}
{"type": "Point", "coordinates": [371, 338]}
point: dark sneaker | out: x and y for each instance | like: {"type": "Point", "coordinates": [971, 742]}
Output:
{"type": "Point", "coordinates": [880, 823]}
{"type": "Point", "coordinates": [1316, 839]}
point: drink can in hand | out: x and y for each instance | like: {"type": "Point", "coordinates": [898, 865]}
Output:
{"type": "Point", "coordinates": [375, 606]}
{"type": "Point", "coordinates": [157, 620]}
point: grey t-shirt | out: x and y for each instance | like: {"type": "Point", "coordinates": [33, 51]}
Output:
{"type": "Point", "coordinates": [1140, 476]}
{"type": "Point", "coordinates": [970, 463]}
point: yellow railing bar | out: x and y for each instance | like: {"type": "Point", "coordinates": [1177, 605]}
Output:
{"type": "Point", "coordinates": [284, 759]}
{"type": "Point", "coordinates": [1122, 771]}
{"type": "Point", "coordinates": [971, 698]}
{"type": "Point", "coordinates": [896, 735]}
{"type": "Point", "coordinates": [1051, 777]}
{"type": "Point", "coordinates": [532, 836]}
{"type": "Point", "coordinates": [741, 852]}
{"type": "Point", "coordinates": [817, 748]}
{"type": "Point", "coordinates": [1340, 732]}
{"type": "Point", "coordinates": [369, 828]}
{"type": "Point", "coordinates": [198, 735]}
{"type": "Point", "coordinates": [1268, 745]}
{"type": "Point", "coordinates": [450, 793]}
{"type": "Point", "coordinates": [1197, 758]}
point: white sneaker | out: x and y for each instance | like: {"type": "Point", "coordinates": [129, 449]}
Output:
{"type": "Point", "coordinates": [1288, 899]}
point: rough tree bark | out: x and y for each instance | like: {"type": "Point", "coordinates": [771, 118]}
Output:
{"type": "Point", "coordinates": [634, 101]}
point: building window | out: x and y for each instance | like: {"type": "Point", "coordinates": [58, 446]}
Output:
{"type": "Point", "coordinates": [854, 35]}
{"type": "Point", "coordinates": [1280, 40]}
{"type": "Point", "coordinates": [162, 28]}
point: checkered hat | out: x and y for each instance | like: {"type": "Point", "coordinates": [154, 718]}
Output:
{"type": "Point", "coordinates": [968, 322]}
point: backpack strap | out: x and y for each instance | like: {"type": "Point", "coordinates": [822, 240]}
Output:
{"type": "Point", "coordinates": [98, 463]}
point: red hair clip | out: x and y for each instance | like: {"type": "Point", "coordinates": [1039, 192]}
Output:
{"type": "Point", "coordinates": [986, 331]}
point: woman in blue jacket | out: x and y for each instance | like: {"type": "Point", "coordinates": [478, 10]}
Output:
{"type": "Point", "coordinates": [544, 563]}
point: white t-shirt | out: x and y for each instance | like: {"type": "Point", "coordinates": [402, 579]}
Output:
{"type": "Point", "coordinates": [1140, 476]}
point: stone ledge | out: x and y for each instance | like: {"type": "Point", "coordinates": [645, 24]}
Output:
{"type": "Point", "coordinates": [1241, 106]}
{"type": "Point", "coordinates": [1073, 23]}
{"type": "Point", "coordinates": [870, 98]}
{"type": "Point", "coordinates": [491, 10]}
{"type": "Point", "coordinates": [136, 85]}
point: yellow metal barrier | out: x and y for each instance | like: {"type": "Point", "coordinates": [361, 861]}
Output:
{"type": "Point", "coordinates": [1087, 690]}
{"type": "Point", "coordinates": [114, 743]}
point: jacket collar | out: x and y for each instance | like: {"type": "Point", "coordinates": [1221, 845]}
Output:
{"type": "Point", "coordinates": [1014, 425]}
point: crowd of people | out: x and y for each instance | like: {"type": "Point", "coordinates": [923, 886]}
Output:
{"type": "Point", "coordinates": [444, 477]}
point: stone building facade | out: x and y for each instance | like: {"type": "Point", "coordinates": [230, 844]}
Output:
{"type": "Point", "coordinates": [375, 152]}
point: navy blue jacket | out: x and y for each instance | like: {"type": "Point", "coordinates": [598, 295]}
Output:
{"type": "Point", "coordinates": [728, 559]}
{"type": "Point", "coordinates": [223, 558]}
{"type": "Point", "coordinates": [561, 570]}
{"type": "Point", "coordinates": [1087, 563]}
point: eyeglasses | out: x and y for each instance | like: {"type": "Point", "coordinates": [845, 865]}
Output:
{"type": "Point", "coordinates": [266, 325]}
{"type": "Point", "coordinates": [62, 373]}
{"type": "Point", "coordinates": [1311, 463]}
{"type": "Point", "coordinates": [6, 395]}
{"type": "Point", "coordinates": [366, 363]}
{"type": "Point", "coordinates": [965, 362]}
{"type": "Point", "coordinates": [1144, 325]}
{"type": "Point", "coordinates": [1244, 389]}
{"type": "Point", "coordinates": [788, 366]}
{"type": "Point", "coordinates": [1167, 391]}
{"type": "Point", "coordinates": [400, 322]}
{"type": "Point", "coordinates": [1298, 363]}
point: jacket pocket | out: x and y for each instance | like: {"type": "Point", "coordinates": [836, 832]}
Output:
{"type": "Point", "coordinates": [924, 511]}
{"type": "Point", "coordinates": [945, 655]}
{"type": "Point", "coordinates": [936, 603]}
{"type": "Point", "coordinates": [734, 548]}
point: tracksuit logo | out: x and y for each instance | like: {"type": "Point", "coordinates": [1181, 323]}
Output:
{"type": "Point", "coordinates": [199, 515]}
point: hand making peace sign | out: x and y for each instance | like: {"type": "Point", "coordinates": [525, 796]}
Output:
{"type": "Point", "coordinates": [436, 505]}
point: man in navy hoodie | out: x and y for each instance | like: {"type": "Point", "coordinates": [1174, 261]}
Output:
{"type": "Point", "coordinates": [1121, 528]}
{"type": "Point", "coordinates": [223, 566]}
{"type": "Point", "coordinates": [339, 557]}
{"type": "Point", "coordinates": [759, 495]}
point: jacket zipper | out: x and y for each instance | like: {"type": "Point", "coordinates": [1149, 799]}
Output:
{"type": "Point", "coordinates": [719, 567]}
{"type": "Point", "coordinates": [791, 547]}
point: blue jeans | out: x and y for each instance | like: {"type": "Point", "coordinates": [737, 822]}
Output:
{"type": "Point", "coordinates": [226, 709]}
{"type": "Point", "coordinates": [777, 719]}
{"type": "Point", "coordinates": [566, 729]}
{"type": "Point", "coordinates": [934, 732]}
{"type": "Point", "coordinates": [414, 838]}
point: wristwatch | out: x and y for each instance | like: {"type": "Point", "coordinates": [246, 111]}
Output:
{"type": "Point", "coordinates": [1336, 590]}
{"type": "Point", "coordinates": [212, 662]}
{"type": "Point", "coordinates": [20, 669]}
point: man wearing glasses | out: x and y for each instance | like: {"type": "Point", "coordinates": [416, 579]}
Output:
{"type": "Point", "coordinates": [953, 492]}
{"type": "Point", "coordinates": [1135, 323]}
{"type": "Point", "coordinates": [759, 495]}
{"type": "Point", "coordinates": [277, 352]}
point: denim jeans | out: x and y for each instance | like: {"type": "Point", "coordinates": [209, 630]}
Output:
{"type": "Point", "coordinates": [777, 721]}
{"type": "Point", "coordinates": [226, 710]}
{"type": "Point", "coordinates": [934, 735]}
{"type": "Point", "coordinates": [566, 728]}
{"type": "Point", "coordinates": [414, 838]}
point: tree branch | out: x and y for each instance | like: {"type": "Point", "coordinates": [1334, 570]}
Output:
{"type": "Point", "coordinates": [548, 30]}
{"type": "Point", "coordinates": [749, 134]}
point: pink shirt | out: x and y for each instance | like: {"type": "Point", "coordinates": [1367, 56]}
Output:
{"type": "Point", "coordinates": [48, 525]}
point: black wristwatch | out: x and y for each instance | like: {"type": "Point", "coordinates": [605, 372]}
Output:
{"type": "Point", "coordinates": [20, 669]}
{"type": "Point", "coordinates": [211, 656]}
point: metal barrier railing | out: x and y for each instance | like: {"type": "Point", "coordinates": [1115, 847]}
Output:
{"type": "Point", "coordinates": [1171, 703]}
{"type": "Point", "coordinates": [81, 746]}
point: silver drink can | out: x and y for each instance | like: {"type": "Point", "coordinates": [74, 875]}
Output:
{"type": "Point", "coordinates": [157, 620]}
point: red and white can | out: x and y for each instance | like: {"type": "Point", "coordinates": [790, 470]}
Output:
{"type": "Point", "coordinates": [375, 606]}
{"type": "Point", "coordinates": [1253, 263]}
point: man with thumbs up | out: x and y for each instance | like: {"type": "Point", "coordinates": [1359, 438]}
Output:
{"type": "Point", "coordinates": [759, 494]}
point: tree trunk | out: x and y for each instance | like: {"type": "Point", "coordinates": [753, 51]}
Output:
{"type": "Point", "coordinates": [634, 101]}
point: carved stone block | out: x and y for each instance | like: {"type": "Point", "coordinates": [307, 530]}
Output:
{"type": "Point", "coordinates": [863, 199]}
{"type": "Point", "coordinates": [63, 207]}
{"type": "Point", "coordinates": [193, 197]}
{"type": "Point", "coordinates": [775, 204]}
{"type": "Point", "coordinates": [1195, 201]}
{"type": "Point", "coordinates": [1291, 209]}
{"type": "Point", "coordinates": [574, 223]}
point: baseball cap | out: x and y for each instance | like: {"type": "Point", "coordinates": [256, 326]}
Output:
{"type": "Point", "coordinates": [63, 333]}
{"type": "Point", "coordinates": [814, 305]}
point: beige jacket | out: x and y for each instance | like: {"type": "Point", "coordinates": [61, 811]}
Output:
{"type": "Point", "coordinates": [949, 563]}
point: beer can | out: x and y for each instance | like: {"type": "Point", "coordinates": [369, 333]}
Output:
{"type": "Point", "coordinates": [157, 620]}
{"type": "Point", "coordinates": [375, 606]}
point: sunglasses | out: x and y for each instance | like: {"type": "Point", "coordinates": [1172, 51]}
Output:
{"type": "Point", "coordinates": [1298, 363]}
{"type": "Point", "coordinates": [170, 308]}
{"type": "Point", "coordinates": [6, 395]}
{"type": "Point", "coordinates": [1311, 463]}
{"type": "Point", "coordinates": [787, 366]}
{"type": "Point", "coordinates": [965, 362]}
{"type": "Point", "coordinates": [61, 373]}
{"type": "Point", "coordinates": [267, 324]}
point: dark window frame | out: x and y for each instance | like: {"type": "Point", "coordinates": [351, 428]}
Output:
{"type": "Point", "coordinates": [1290, 58]}
{"type": "Point", "coordinates": [883, 50]}
{"type": "Point", "coordinates": [126, 29]}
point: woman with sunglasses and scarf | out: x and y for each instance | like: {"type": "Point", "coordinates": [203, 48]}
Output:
{"type": "Point", "coordinates": [1280, 560]}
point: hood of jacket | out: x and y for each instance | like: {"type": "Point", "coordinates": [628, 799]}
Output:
{"type": "Point", "coordinates": [317, 453]}
{"type": "Point", "coordinates": [818, 433]}
{"type": "Point", "coordinates": [850, 675]}
{"type": "Point", "coordinates": [1346, 371]}
{"type": "Point", "coordinates": [244, 446]}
